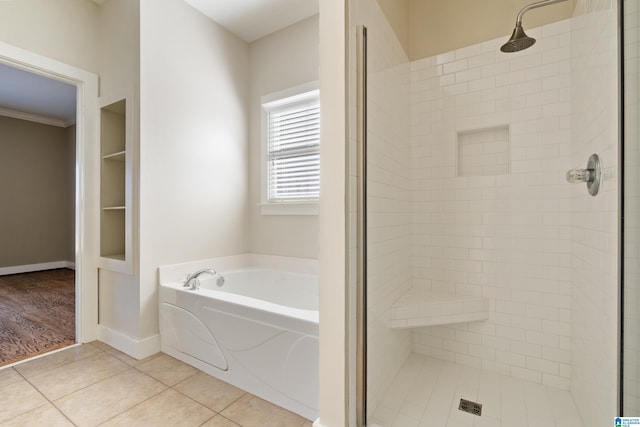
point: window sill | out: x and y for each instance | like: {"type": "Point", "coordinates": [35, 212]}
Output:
{"type": "Point", "coordinates": [295, 208]}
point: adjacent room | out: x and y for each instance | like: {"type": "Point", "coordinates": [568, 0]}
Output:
{"type": "Point", "coordinates": [37, 219]}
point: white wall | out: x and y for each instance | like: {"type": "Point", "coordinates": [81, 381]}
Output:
{"type": "Point", "coordinates": [64, 30]}
{"type": "Point", "coordinates": [594, 234]}
{"type": "Point", "coordinates": [193, 144]}
{"type": "Point", "coordinates": [119, 64]}
{"type": "Point", "coordinates": [334, 332]}
{"type": "Point", "coordinates": [277, 62]}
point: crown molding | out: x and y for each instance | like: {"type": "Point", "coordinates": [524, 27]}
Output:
{"type": "Point", "coordinates": [21, 115]}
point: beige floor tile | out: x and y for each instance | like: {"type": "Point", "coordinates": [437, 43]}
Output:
{"type": "Point", "coordinates": [40, 365]}
{"type": "Point", "coordinates": [167, 370]}
{"type": "Point", "coordinates": [122, 356]}
{"type": "Point", "coordinates": [9, 376]}
{"type": "Point", "coordinates": [106, 399]}
{"type": "Point", "coordinates": [209, 391]}
{"type": "Point", "coordinates": [46, 415]}
{"type": "Point", "coordinates": [219, 421]}
{"type": "Point", "coordinates": [101, 346]}
{"type": "Point", "coordinates": [168, 408]}
{"type": "Point", "coordinates": [74, 376]}
{"type": "Point", "coordinates": [18, 398]}
{"type": "Point", "coordinates": [251, 411]}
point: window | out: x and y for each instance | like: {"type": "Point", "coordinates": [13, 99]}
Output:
{"type": "Point", "coordinates": [291, 151]}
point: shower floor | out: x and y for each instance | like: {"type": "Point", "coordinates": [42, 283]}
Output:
{"type": "Point", "coordinates": [427, 392]}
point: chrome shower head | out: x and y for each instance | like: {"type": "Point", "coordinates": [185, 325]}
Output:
{"type": "Point", "coordinates": [519, 40]}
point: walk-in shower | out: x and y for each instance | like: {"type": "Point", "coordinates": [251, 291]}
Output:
{"type": "Point", "coordinates": [519, 39]}
{"type": "Point", "coordinates": [490, 286]}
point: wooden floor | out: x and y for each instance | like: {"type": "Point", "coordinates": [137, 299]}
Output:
{"type": "Point", "coordinates": [37, 313]}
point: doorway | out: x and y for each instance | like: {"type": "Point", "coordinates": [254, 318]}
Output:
{"type": "Point", "coordinates": [86, 178]}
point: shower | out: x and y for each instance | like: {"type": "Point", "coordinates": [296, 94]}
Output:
{"type": "Point", "coordinates": [484, 284]}
{"type": "Point", "coordinates": [519, 39]}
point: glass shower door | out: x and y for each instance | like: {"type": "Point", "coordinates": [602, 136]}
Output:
{"type": "Point", "coordinates": [630, 382]}
{"type": "Point", "coordinates": [492, 282]}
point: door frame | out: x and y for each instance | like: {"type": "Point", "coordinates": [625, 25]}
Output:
{"type": "Point", "coordinates": [87, 177]}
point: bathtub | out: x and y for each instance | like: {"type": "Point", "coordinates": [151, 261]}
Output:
{"type": "Point", "coordinates": [257, 331]}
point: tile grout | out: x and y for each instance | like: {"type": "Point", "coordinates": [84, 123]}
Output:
{"type": "Point", "coordinates": [50, 402]}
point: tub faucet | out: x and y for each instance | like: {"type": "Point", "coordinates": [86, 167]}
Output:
{"type": "Point", "coordinates": [192, 282]}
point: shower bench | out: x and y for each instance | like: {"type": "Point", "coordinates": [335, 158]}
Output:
{"type": "Point", "coordinates": [420, 307]}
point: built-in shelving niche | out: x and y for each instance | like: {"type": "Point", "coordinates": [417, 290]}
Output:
{"type": "Point", "coordinates": [115, 186]}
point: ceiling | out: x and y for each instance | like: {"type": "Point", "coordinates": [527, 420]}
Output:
{"type": "Point", "coordinates": [29, 96]}
{"type": "Point", "coordinates": [253, 19]}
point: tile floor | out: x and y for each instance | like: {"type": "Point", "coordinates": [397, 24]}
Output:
{"type": "Point", "coordinates": [427, 391]}
{"type": "Point", "coordinates": [94, 384]}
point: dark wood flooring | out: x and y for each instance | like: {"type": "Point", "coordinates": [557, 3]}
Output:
{"type": "Point", "coordinates": [37, 313]}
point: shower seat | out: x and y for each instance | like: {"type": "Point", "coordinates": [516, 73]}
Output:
{"type": "Point", "coordinates": [421, 307]}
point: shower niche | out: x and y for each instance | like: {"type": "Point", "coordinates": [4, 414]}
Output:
{"type": "Point", "coordinates": [484, 152]}
{"type": "Point", "coordinates": [115, 185]}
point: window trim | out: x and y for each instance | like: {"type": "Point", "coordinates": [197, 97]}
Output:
{"type": "Point", "coordinates": [310, 207]}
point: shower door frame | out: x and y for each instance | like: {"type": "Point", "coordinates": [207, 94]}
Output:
{"type": "Point", "coordinates": [361, 309]}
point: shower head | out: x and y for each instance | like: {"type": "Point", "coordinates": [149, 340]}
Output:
{"type": "Point", "coordinates": [519, 40]}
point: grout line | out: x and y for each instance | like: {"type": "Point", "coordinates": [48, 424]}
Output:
{"type": "Point", "coordinates": [49, 401]}
{"type": "Point", "coordinates": [128, 368]}
{"type": "Point", "coordinates": [199, 403]}
{"type": "Point", "coordinates": [223, 417]}
{"type": "Point", "coordinates": [139, 403]}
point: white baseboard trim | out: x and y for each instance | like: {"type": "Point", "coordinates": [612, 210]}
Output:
{"type": "Point", "coordinates": [17, 269]}
{"type": "Point", "coordinates": [138, 349]}
{"type": "Point", "coordinates": [317, 423]}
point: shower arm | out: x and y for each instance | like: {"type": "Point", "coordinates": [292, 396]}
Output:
{"type": "Point", "coordinates": [534, 6]}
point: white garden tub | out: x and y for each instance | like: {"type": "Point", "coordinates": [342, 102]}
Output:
{"type": "Point", "coordinates": [258, 331]}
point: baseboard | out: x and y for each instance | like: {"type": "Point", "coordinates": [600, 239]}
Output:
{"type": "Point", "coordinates": [138, 349]}
{"type": "Point", "coordinates": [317, 423]}
{"type": "Point", "coordinates": [29, 268]}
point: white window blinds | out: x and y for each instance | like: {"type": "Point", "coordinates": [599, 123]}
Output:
{"type": "Point", "coordinates": [293, 147]}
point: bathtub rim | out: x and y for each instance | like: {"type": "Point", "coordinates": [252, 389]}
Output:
{"type": "Point", "coordinates": [177, 272]}
{"type": "Point", "coordinates": [240, 301]}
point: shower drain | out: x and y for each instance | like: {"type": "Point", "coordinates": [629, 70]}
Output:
{"type": "Point", "coordinates": [470, 407]}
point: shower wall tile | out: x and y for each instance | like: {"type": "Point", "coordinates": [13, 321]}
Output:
{"type": "Point", "coordinates": [389, 199]}
{"type": "Point", "coordinates": [594, 251]}
{"type": "Point", "coordinates": [505, 235]}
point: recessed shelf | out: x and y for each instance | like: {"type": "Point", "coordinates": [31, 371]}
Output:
{"type": "Point", "coordinates": [115, 186]}
{"type": "Point", "coordinates": [118, 257]}
{"type": "Point", "coordinates": [119, 156]}
{"type": "Point", "coordinates": [421, 307]}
